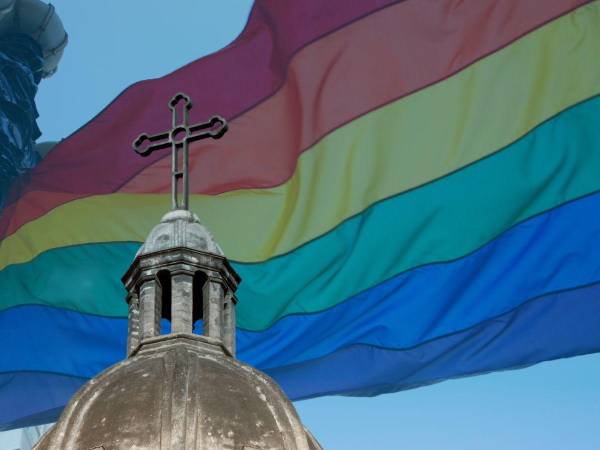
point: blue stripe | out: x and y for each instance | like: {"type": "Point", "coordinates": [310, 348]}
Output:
{"type": "Point", "coordinates": [29, 399]}
{"type": "Point", "coordinates": [554, 326]}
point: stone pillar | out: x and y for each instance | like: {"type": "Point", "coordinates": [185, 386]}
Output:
{"type": "Point", "coordinates": [133, 323]}
{"type": "Point", "coordinates": [229, 323]}
{"type": "Point", "coordinates": [150, 301]}
{"type": "Point", "coordinates": [213, 297]}
{"type": "Point", "coordinates": [181, 303]}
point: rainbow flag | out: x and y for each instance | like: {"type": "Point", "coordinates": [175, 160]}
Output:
{"type": "Point", "coordinates": [410, 191]}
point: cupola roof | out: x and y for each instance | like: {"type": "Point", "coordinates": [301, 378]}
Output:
{"type": "Point", "coordinates": [180, 228]}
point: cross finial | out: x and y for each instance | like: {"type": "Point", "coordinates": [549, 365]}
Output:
{"type": "Point", "coordinates": [178, 138]}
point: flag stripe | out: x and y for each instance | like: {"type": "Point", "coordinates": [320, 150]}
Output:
{"type": "Point", "coordinates": [556, 163]}
{"type": "Point", "coordinates": [536, 257]}
{"type": "Point", "coordinates": [34, 398]}
{"type": "Point", "coordinates": [554, 326]}
{"type": "Point", "coordinates": [313, 96]}
{"type": "Point", "coordinates": [345, 174]}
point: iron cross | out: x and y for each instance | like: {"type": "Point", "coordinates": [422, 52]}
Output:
{"type": "Point", "coordinates": [178, 138]}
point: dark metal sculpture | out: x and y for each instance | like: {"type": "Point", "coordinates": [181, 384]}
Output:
{"type": "Point", "coordinates": [178, 138]}
{"type": "Point", "coordinates": [20, 72]}
{"type": "Point", "coordinates": [32, 41]}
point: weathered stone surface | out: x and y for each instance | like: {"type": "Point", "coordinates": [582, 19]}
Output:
{"type": "Point", "coordinates": [182, 309]}
{"type": "Point", "coordinates": [179, 392]}
{"type": "Point", "coordinates": [180, 228]}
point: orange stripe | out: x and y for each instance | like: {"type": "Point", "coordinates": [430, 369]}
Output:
{"type": "Point", "coordinates": [361, 67]}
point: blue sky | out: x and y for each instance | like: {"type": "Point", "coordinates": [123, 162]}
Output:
{"type": "Point", "coordinates": [554, 405]}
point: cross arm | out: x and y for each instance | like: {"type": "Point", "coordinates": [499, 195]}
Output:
{"type": "Point", "coordinates": [215, 128]}
{"type": "Point", "coordinates": [145, 144]}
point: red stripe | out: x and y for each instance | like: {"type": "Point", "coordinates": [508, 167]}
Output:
{"type": "Point", "coordinates": [97, 159]}
{"type": "Point", "coordinates": [416, 43]}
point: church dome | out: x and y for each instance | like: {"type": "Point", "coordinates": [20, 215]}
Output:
{"type": "Point", "coordinates": [180, 228]}
{"type": "Point", "coordinates": [182, 392]}
{"type": "Point", "coordinates": [178, 390]}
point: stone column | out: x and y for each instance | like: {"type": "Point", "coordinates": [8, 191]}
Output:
{"type": "Point", "coordinates": [133, 323]}
{"type": "Point", "coordinates": [213, 297]}
{"type": "Point", "coordinates": [150, 301]}
{"type": "Point", "coordinates": [182, 303]}
{"type": "Point", "coordinates": [229, 323]}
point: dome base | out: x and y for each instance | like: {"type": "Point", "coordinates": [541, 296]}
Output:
{"type": "Point", "coordinates": [194, 341]}
{"type": "Point", "coordinates": [179, 392]}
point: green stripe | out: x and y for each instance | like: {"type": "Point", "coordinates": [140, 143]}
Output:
{"type": "Point", "coordinates": [444, 220]}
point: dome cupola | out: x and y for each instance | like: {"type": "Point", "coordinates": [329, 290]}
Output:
{"type": "Point", "coordinates": [181, 275]}
{"type": "Point", "coordinates": [180, 228]}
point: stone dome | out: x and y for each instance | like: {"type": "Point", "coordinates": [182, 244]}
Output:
{"type": "Point", "coordinates": [179, 392]}
{"type": "Point", "coordinates": [180, 228]}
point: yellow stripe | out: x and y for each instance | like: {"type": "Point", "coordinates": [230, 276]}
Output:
{"type": "Point", "coordinates": [395, 148]}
